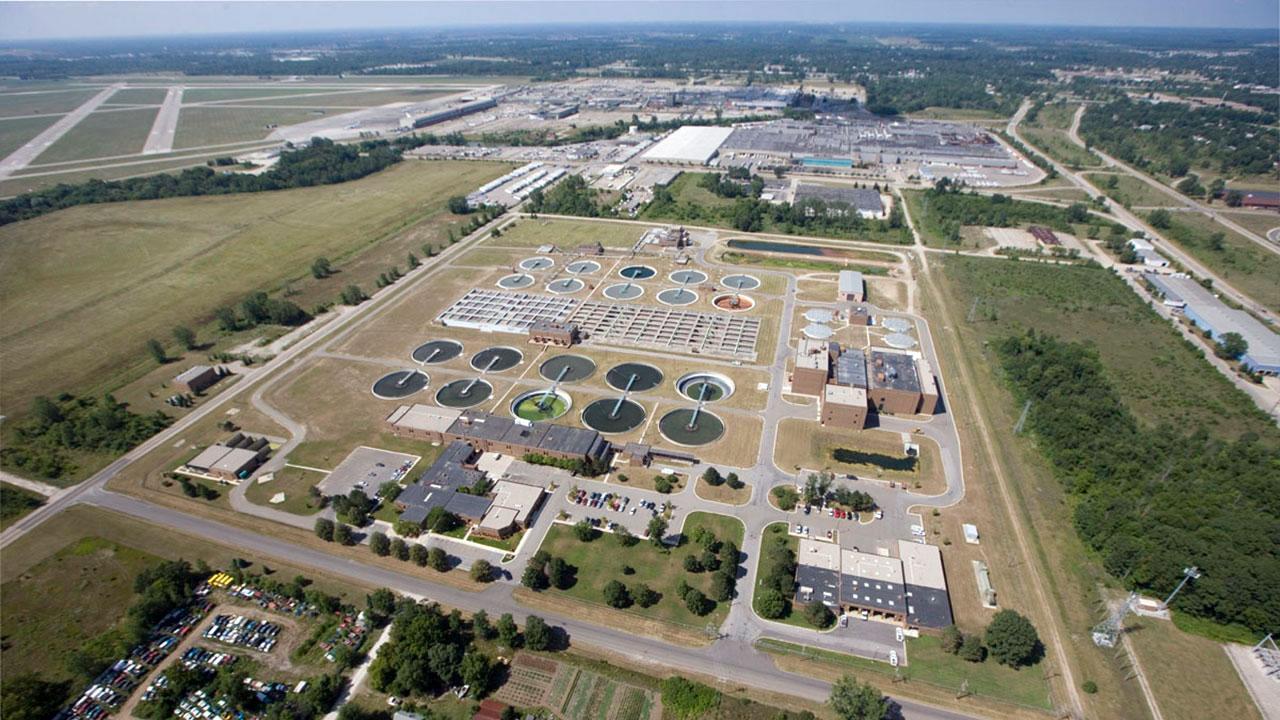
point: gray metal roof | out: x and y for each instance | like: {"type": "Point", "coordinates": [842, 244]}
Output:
{"type": "Point", "coordinates": [893, 370]}
{"type": "Point", "coordinates": [851, 369]}
{"type": "Point", "coordinates": [824, 583]}
{"type": "Point", "coordinates": [1264, 343]}
{"type": "Point", "coordinates": [928, 607]}
{"type": "Point", "coordinates": [858, 198]}
{"type": "Point", "coordinates": [468, 506]}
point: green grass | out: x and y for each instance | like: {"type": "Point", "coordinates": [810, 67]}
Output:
{"type": "Point", "coordinates": [139, 96]}
{"type": "Point", "coordinates": [774, 531]}
{"type": "Point", "coordinates": [197, 95]}
{"type": "Point", "coordinates": [16, 133]}
{"type": "Point", "coordinates": [1248, 267]}
{"type": "Point", "coordinates": [103, 134]}
{"type": "Point", "coordinates": [944, 113]}
{"type": "Point", "coordinates": [1216, 632]}
{"type": "Point", "coordinates": [80, 172]}
{"type": "Point", "coordinates": [568, 234]}
{"type": "Point", "coordinates": [750, 258]}
{"type": "Point", "coordinates": [601, 560]}
{"type": "Point", "coordinates": [534, 409]}
{"type": "Point", "coordinates": [351, 99]}
{"type": "Point", "coordinates": [927, 663]}
{"type": "Point", "coordinates": [1149, 363]}
{"type": "Point", "coordinates": [199, 126]}
{"type": "Point", "coordinates": [15, 104]}
{"type": "Point", "coordinates": [15, 503]}
{"type": "Point", "coordinates": [63, 601]}
{"type": "Point", "coordinates": [98, 280]}
{"type": "Point", "coordinates": [295, 483]}
{"type": "Point", "coordinates": [1258, 222]}
{"type": "Point", "coordinates": [509, 544]}
{"type": "Point", "coordinates": [1129, 190]}
{"type": "Point", "coordinates": [1049, 133]}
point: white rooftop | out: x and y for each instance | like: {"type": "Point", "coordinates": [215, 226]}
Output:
{"type": "Point", "coordinates": [689, 144]}
{"type": "Point", "coordinates": [922, 565]}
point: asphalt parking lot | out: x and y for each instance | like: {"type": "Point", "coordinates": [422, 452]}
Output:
{"type": "Point", "coordinates": [366, 469]}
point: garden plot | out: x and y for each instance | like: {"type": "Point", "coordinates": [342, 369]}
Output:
{"type": "Point", "coordinates": [573, 693]}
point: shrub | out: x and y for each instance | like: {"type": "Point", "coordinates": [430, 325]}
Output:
{"type": "Point", "coordinates": [971, 649]}
{"type": "Point", "coordinates": [691, 564]}
{"type": "Point", "coordinates": [1089, 687]}
{"type": "Point", "coordinates": [481, 571]}
{"type": "Point", "coordinates": [380, 544]}
{"type": "Point", "coordinates": [686, 699]}
{"type": "Point", "coordinates": [698, 603]}
{"type": "Point", "coordinates": [645, 595]}
{"type": "Point", "coordinates": [786, 497]}
{"type": "Point", "coordinates": [818, 615]}
{"type": "Point", "coordinates": [771, 604]}
{"type": "Point", "coordinates": [952, 638]}
{"type": "Point", "coordinates": [616, 595]}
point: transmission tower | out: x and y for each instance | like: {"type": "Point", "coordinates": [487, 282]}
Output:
{"type": "Point", "coordinates": [1107, 632]}
{"type": "Point", "coordinates": [1022, 419]}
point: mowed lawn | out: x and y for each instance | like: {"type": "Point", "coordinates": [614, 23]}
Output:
{"type": "Point", "coordinates": [25, 102]}
{"type": "Point", "coordinates": [1201, 683]}
{"type": "Point", "coordinates": [603, 558]}
{"type": "Point", "coordinates": [214, 125]}
{"type": "Point", "coordinates": [103, 134]}
{"type": "Point", "coordinates": [569, 234]}
{"type": "Point", "coordinates": [18, 132]}
{"type": "Point", "coordinates": [97, 281]}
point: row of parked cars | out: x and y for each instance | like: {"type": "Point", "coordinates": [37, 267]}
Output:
{"type": "Point", "coordinates": [198, 657]}
{"type": "Point", "coordinates": [259, 635]}
{"type": "Point", "coordinates": [601, 500]}
{"type": "Point", "coordinates": [110, 689]}
{"type": "Point", "coordinates": [273, 601]}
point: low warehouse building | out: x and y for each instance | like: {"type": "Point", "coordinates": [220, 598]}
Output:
{"type": "Point", "coordinates": [852, 286]}
{"type": "Point", "coordinates": [894, 383]}
{"type": "Point", "coordinates": [194, 380]}
{"type": "Point", "coordinates": [421, 422]}
{"type": "Point", "coordinates": [1213, 316]}
{"type": "Point", "coordinates": [812, 367]}
{"type": "Point", "coordinates": [844, 406]}
{"type": "Point", "coordinates": [226, 463]}
{"type": "Point", "coordinates": [513, 503]}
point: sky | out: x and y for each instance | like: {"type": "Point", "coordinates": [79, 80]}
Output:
{"type": "Point", "coordinates": [40, 20]}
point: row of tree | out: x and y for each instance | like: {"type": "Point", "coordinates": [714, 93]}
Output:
{"type": "Point", "coordinates": [41, 442]}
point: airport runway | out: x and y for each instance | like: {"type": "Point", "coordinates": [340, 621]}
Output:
{"type": "Point", "coordinates": [160, 140]}
{"type": "Point", "coordinates": [23, 156]}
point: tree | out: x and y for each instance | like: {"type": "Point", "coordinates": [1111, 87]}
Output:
{"type": "Point", "coordinates": [1077, 213]}
{"type": "Point", "coordinates": [534, 578]}
{"type": "Point", "coordinates": [1232, 346]}
{"type": "Point", "coordinates": [1234, 198]}
{"type": "Point", "coordinates": [320, 268]}
{"type": "Point", "coordinates": [324, 529]}
{"type": "Point", "coordinates": [722, 585]}
{"type": "Point", "coordinates": [584, 531]}
{"type": "Point", "coordinates": [733, 482]}
{"type": "Point", "coordinates": [480, 625]}
{"type": "Point", "coordinates": [508, 633]}
{"type": "Point", "coordinates": [616, 595]}
{"type": "Point", "coordinates": [559, 573]}
{"type": "Point", "coordinates": [458, 205]}
{"type": "Point", "coordinates": [818, 615]}
{"type": "Point", "coordinates": [381, 603]}
{"type": "Point", "coordinates": [853, 700]}
{"type": "Point", "coordinates": [662, 484]}
{"type": "Point", "coordinates": [657, 529]}
{"type": "Point", "coordinates": [353, 295]}
{"type": "Point", "coordinates": [438, 559]}
{"type": "Point", "coordinates": [418, 554]}
{"type": "Point", "coordinates": [481, 571]}
{"type": "Point", "coordinates": [27, 697]}
{"type": "Point", "coordinates": [952, 638]}
{"type": "Point", "coordinates": [342, 534]}
{"type": "Point", "coordinates": [413, 261]}
{"type": "Point", "coordinates": [698, 603]}
{"type": "Point", "coordinates": [1160, 218]}
{"type": "Point", "coordinates": [1012, 639]}
{"type": "Point", "coordinates": [226, 318]}
{"type": "Point", "coordinates": [380, 544]}
{"type": "Point", "coordinates": [537, 634]}
{"type": "Point", "coordinates": [712, 477]}
{"type": "Point", "coordinates": [786, 496]}
{"type": "Point", "coordinates": [185, 336]}
{"type": "Point", "coordinates": [771, 604]}
{"type": "Point", "coordinates": [399, 549]}
{"type": "Point", "coordinates": [644, 595]}
{"type": "Point", "coordinates": [624, 536]}
{"type": "Point", "coordinates": [474, 671]}
{"type": "Point", "coordinates": [692, 564]}
{"type": "Point", "coordinates": [157, 351]}
{"type": "Point", "coordinates": [971, 649]}
{"type": "Point", "coordinates": [816, 487]}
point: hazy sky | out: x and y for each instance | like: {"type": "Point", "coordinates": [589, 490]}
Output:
{"type": "Point", "coordinates": [30, 20]}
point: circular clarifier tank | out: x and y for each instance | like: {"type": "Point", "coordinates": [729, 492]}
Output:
{"type": "Point", "coordinates": [896, 324]}
{"type": "Point", "coordinates": [464, 393]}
{"type": "Point", "coordinates": [706, 386]}
{"type": "Point", "coordinates": [613, 415]}
{"type": "Point", "coordinates": [496, 359]}
{"type": "Point", "coordinates": [633, 377]}
{"type": "Point", "coordinates": [688, 426]}
{"type": "Point", "coordinates": [819, 315]}
{"type": "Point", "coordinates": [583, 267]}
{"type": "Point", "coordinates": [733, 302]}
{"type": "Point", "coordinates": [623, 291]}
{"type": "Point", "coordinates": [637, 272]}
{"type": "Point", "coordinates": [564, 286]}
{"type": "Point", "coordinates": [567, 368]}
{"type": "Point", "coordinates": [540, 262]}
{"type": "Point", "coordinates": [688, 277]}
{"type": "Point", "coordinates": [677, 296]}
{"type": "Point", "coordinates": [437, 351]}
{"type": "Point", "coordinates": [901, 341]}
{"type": "Point", "coordinates": [399, 384]}
{"type": "Point", "coordinates": [515, 282]}
{"type": "Point", "coordinates": [537, 405]}
{"type": "Point", "coordinates": [741, 282]}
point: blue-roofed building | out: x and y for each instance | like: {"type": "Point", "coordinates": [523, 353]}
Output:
{"type": "Point", "coordinates": [1207, 312]}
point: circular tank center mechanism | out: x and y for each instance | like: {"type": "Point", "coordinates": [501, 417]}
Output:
{"type": "Point", "coordinates": [705, 386]}
{"type": "Point", "coordinates": [583, 267]}
{"type": "Point", "coordinates": [633, 377]}
{"type": "Point", "coordinates": [536, 405]}
{"type": "Point", "coordinates": [515, 282]}
{"type": "Point", "coordinates": [565, 286]}
{"type": "Point", "coordinates": [464, 393]}
{"type": "Point", "coordinates": [567, 368]}
{"type": "Point", "coordinates": [436, 351]}
{"type": "Point", "coordinates": [623, 291]}
{"type": "Point", "coordinates": [677, 296]}
{"type": "Point", "coordinates": [399, 384]}
{"type": "Point", "coordinates": [688, 277]}
{"type": "Point", "coordinates": [496, 359]}
{"type": "Point", "coordinates": [536, 263]}
{"type": "Point", "coordinates": [637, 272]}
{"type": "Point", "coordinates": [691, 426]}
{"type": "Point", "coordinates": [613, 415]}
{"type": "Point", "coordinates": [733, 302]}
{"type": "Point", "coordinates": [741, 282]}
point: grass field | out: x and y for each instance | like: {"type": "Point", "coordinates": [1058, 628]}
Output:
{"type": "Point", "coordinates": [212, 125]}
{"type": "Point", "coordinates": [723, 493]}
{"type": "Point", "coordinates": [602, 559]}
{"type": "Point", "coordinates": [1129, 190]}
{"type": "Point", "coordinates": [1048, 132]}
{"type": "Point", "coordinates": [1258, 222]}
{"type": "Point", "coordinates": [1149, 363]}
{"type": "Point", "coordinates": [18, 132]}
{"type": "Point", "coordinates": [296, 485]}
{"type": "Point", "coordinates": [1203, 678]}
{"type": "Point", "coordinates": [568, 234]}
{"type": "Point", "coordinates": [804, 444]}
{"type": "Point", "coordinates": [943, 113]}
{"type": "Point", "coordinates": [103, 134]}
{"type": "Point", "coordinates": [99, 280]}
{"type": "Point", "coordinates": [15, 503]}
{"type": "Point", "coordinates": [353, 98]}
{"type": "Point", "coordinates": [1249, 268]}
{"type": "Point", "coordinates": [199, 95]}
{"type": "Point", "coordinates": [21, 183]}
{"type": "Point", "coordinates": [15, 104]}
{"type": "Point", "coordinates": [138, 96]}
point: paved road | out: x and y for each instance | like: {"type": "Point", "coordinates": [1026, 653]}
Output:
{"type": "Point", "coordinates": [23, 156]}
{"type": "Point", "coordinates": [160, 139]}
